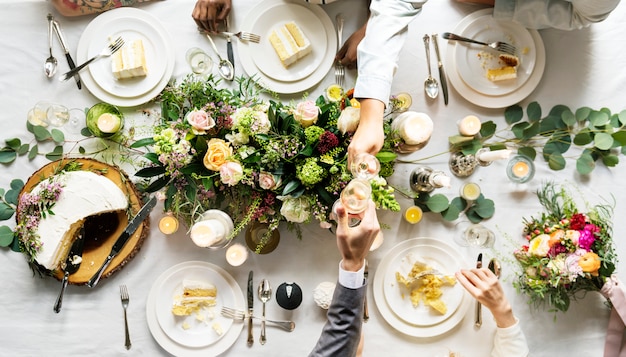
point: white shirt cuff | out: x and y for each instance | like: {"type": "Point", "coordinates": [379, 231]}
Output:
{"type": "Point", "coordinates": [351, 279]}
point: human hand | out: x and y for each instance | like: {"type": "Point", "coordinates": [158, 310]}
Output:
{"type": "Point", "coordinates": [347, 53]}
{"type": "Point", "coordinates": [369, 135]}
{"type": "Point", "coordinates": [485, 287]}
{"type": "Point", "coordinates": [354, 242]}
{"type": "Point", "coordinates": [208, 13]}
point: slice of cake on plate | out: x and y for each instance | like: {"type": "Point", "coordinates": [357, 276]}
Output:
{"type": "Point", "coordinates": [290, 43]}
{"type": "Point", "coordinates": [508, 70]}
{"type": "Point", "coordinates": [196, 295]}
{"type": "Point", "coordinates": [129, 61]}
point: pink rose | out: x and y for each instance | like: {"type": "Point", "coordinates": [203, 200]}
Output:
{"type": "Point", "coordinates": [306, 113]}
{"type": "Point", "coordinates": [231, 173]}
{"type": "Point", "coordinates": [200, 121]}
{"type": "Point", "coordinates": [267, 181]}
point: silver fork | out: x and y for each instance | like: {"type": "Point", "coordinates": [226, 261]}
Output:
{"type": "Point", "coordinates": [125, 301]}
{"type": "Point", "coordinates": [106, 52]}
{"type": "Point", "coordinates": [498, 45]}
{"type": "Point", "coordinates": [242, 35]}
{"type": "Point", "coordinates": [340, 70]}
{"type": "Point", "coordinates": [241, 315]}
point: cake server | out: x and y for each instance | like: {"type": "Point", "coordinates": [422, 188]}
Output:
{"type": "Point", "coordinates": [66, 50]}
{"type": "Point", "coordinates": [72, 263]}
{"type": "Point", "coordinates": [124, 237]}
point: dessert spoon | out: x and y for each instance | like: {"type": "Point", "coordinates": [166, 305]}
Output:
{"type": "Point", "coordinates": [225, 68]}
{"type": "Point", "coordinates": [265, 294]}
{"type": "Point", "coordinates": [431, 86]}
{"type": "Point", "coordinates": [50, 66]}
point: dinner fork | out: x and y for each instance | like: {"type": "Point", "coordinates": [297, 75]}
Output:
{"type": "Point", "coordinates": [241, 315]}
{"type": "Point", "coordinates": [107, 51]}
{"type": "Point", "coordinates": [242, 35]}
{"type": "Point", "coordinates": [340, 70]}
{"type": "Point", "coordinates": [125, 301]}
{"type": "Point", "coordinates": [497, 45]}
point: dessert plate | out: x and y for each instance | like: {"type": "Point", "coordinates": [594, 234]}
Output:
{"type": "Point", "coordinates": [489, 101]}
{"type": "Point", "coordinates": [473, 61]}
{"type": "Point", "coordinates": [267, 60]}
{"type": "Point", "coordinates": [247, 50]}
{"type": "Point", "coordinates": [195, 330]}
{"type": "Point", "coordinates": [398, 296]}
{"type": "Point", "coordinates": [99, 28]}
{"type": "Point", "coordinates": [392, 260]}
{"type": "Point", "coordinates": [129, 29]}
{"type": "Point", "coordinates": [177, 349]}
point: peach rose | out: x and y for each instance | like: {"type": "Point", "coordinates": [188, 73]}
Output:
{"type": "Point", "coordinates": [306, 113]}
{"type": "Point", "coordinates": [231, 173]}
{"type": "Point", "coordinates": [200, 121]}
{"type": "Point", "coordinates": [590, 263]}
{"type": "Point", "coordinates": [217, 154]}
{"type": "Point", "coordinates": [267, 181]}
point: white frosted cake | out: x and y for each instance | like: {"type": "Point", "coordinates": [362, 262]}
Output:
{"type": "Point", "coordinates": [290, 43]}
{"type": "Point", "coordinates": [83, 194]}
{"type": "Point", "coordinates": [129, 61]}
{"type": "Point", "coordinates": [196, 295]}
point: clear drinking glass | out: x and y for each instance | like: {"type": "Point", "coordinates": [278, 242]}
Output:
{"type": "Point", "coordinates": [37, 115]}
{"type": "Point", "coordinates": [58, 115]}
{"type": "Point", "coordinates": [365, 166]}
{"type": "Point", "coordinates": [355, 195]}
{"type": "Point", "coordinates": [477, 235]}
{"type": "Point", "coordinates": [199, 61]}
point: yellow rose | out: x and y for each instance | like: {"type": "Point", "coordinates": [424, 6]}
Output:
{"type": "Point", "coordinates": [590, 263]}
{"type": "Point", "coordinates": [217, 154]}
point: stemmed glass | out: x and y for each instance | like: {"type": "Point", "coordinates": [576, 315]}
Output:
{"type": "Point", "coordinates": [354, 198]}
{"type": "Point", "coordinates": [365, 166]}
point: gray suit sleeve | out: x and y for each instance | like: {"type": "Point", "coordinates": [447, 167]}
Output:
{"type": "Point", "coordinates": [342, 331]}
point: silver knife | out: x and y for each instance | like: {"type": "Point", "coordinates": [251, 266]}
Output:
{"type": "Point", "coordinates": [68, 56]}
{"type": "Point", "coordinates": [250, 308]}
{"type": "Point", "coordinates": [366, 313]}
{"type": "Point", "coordinates": [121, 241]}
{"type": "Point", "coordinates": [229, 44]}
{"type": "Point", "coordinates": [442, 73]}
{"type": "Point", "coordinates": [72, 263]}
{"type": "Point", "coordinates": [479, 311]}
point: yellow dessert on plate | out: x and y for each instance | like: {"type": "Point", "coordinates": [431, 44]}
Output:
{"type": "Point", "coordinates": [290, 43]}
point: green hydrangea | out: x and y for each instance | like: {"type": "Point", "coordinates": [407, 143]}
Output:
{"type": "Point", "coordinates": [310, 172]}
{"type": "Point", "coordinates": [313, 133]}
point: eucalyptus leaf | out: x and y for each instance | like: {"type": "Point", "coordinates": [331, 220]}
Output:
{"type": "Point", "coordinates": [17, 184]}
{"type": "Point", "coordinates": [13, 143]}
{"type": "Point", "coordinates": [472, 216]}
{"type": "Point", "coordinates": [455, 140]}
{"type": "Point", "coordinates": [610, 160]}
{"type": "Point", "coordinates": [34, 151]}
{"type": "Point", "coordinates": [57, 136]}
{"type": "Point", "coordinates": [622, 117]}
{"type": "Point", "coordinates": [459, 203]}
{"type": "Point", "coordinates": [533, 111]}
{"type": "Point", "coordinates": [55, 154]}
{"type": "Point", "coordinates": [584, 137]}
{"type": "Point", "coordinates": [12, 196]}
{"type": "Point", "coordinates": [583, 113]}
{"type": "Point", "coordinates": [556, 161]}
{"type": "Point", "coordinates": [620, 137]}
{"type": "Point", "coordinates": [528, 151]}
{"type": "Point", "coordinates": [6, 211]}
{"type": "Point", "coordinates": [487, 129]}
{"type": "Point", "coordinates": [23, 149]}
{"type": "Point", "coordinates": [6, 236]}
{"type": "Point", "coordinates": [438, 203]}
{"type": "Point", "coordinates": [451, 213]}
{"type": "Point", "coordinates": [518, 129]}
{"type": "Point", "coordinates": [598, 118]}
{"type": "Point", "coordinates": [603, 141]}
{"type": "Point", "coordinates": [7, 156]}
{"type": "Point", "coordinates": [485, 208]}
{"type": "Point", "coordinates": [41, 133]}
{"type": "Point", "coordinates": [585, 164]}
{"type": "Point", "coordinates": [472, 147]}
{"type": "Point", "coordinates": [513, 114]}
{"type": "Point", "coordinates": [81, 150]}
{"type": "Point", "coordinates": [531, 130]}
{"type": "Point", "coordinates": [290, 187]}
{"type": "Point", "coordinates": [568, 117]}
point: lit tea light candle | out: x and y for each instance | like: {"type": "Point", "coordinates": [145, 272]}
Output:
{"type": "Point", "coordinates": [208, 233]}
{"type": "Point", "coordinates": [470, 191]}
{"type": "Point", "coordinates": [236, 254]}
{"type": "Point", "coordinates": [378, 241]}
{"type": "Point", "coordinates": [520, 169]}
{"type": "Point", "coordinates": [168, 224]}
{"type": "Point", "coordinates": [413, 214]}
{"type": "Point", "coordinates": [469, 126]}
{"type": "Point", "coordinates": [489, 156]}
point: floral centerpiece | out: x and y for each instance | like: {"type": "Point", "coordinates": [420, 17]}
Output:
{"type": "Point", "coordinates": [568, 251]}
{"type": "Point", "coordinates": [257, 160]}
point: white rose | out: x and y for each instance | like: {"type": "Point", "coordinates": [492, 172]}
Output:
{"type": "Point", "coordinates": [349, 119]}
{"type": "Point", "coordinates": [296, 209]}
{"type": "Point", "coordinates": [540, 245]}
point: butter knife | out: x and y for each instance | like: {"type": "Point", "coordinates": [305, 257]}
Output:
{"type": "Point", "coordinates": [229, 44]}
{"type": "Point", "coordinates": [250, 308]}
{"type": "Point", "coordinates": [479, 312]}
{"type": "Point", "coordinates": [124, 237]}
{"type": "Point", "coordinates": [442, 73]}
{"type": "Point", "coordinates": [366, 314]}
{"type": "Point", "coordinates": [66, 50]}
{"type": "Point", "coordinates": [72, 263]}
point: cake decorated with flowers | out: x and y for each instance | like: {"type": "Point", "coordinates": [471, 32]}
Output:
{"type": "Point", "coordinates": [66, 196]}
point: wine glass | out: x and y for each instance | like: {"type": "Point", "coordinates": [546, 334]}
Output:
{"type": "Point", "coordinates": [78, 120]}
{"type": "Point", "coordinates": [58, 115]}
{"type": "Point", "coordinates": [198, 60]}
{"type": "Point", "coordinates": [477, 235]}
{"type": "Point", "coordinates": [365, 166]}
{"type": "Point", "coordinates": [354, 198]}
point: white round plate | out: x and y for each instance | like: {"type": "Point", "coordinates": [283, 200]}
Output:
{"type": "Point", "coordinates": [198, 333]}
{"type": "Point", "coordinates": [248, 49]}
{"type": "Point", "coordinates": [100, 26]}
{"type": "Point", "coordinates": [488, 101]}
{"type": "Point", "coordinates": [473, 61]}
{"type": "Point", "coordinates": [129, 29]}
{"type": "Point", "coordinates": [398, 296]}
{"type": "Point", "coordinates": [178, 349]}
{"type": "Point", "coordinates": [378, 288]}
{"type": "Point", "coordinates": [267, 60]}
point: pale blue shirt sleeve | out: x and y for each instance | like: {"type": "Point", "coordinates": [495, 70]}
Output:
{"type": "Point", "coordinates": [559, 14]}
{"type": "Point", "coordinates": [378, 52]}
{"type": "Point", "coordinates": [510, 342]}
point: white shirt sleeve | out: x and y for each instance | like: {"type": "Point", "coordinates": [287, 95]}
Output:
{"type": "Point", "coordinates": [510, 342]}
{"type": "Point", "coordinates": [560, 14]}
{"type": "Point", "coordinates": [351, 279]}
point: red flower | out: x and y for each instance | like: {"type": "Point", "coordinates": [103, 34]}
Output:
{"type": "Point", "coordinates": [577, 222]}
{"type": "Point", "coordinates": [328, 141]}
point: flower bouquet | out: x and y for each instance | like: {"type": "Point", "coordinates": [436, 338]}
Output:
{"type": "Point", "coordinates": [258, 161]}
{"type": "Point", "coordinates": [568, 251]}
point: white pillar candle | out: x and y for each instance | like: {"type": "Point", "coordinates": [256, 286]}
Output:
{"type": "Point", "coordinates": [414, 128]}
{"type": "Point", "coordinates": [469, 126]}
{"type": "Point", "coordinates": [489, 156]}
{"type": "Point", "coordinates": [236, 254]}
{"type": "Point", "coordinates": [208, 233]}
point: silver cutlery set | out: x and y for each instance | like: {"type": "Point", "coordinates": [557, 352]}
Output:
{"type": "Point", "coordinates": [226, 67]}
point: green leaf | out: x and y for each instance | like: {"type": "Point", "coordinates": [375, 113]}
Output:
{"type": "Point", "coordinates": [14, 143]}
{"type": "Point", "coordinates": [568, 117]}
{"type": "Point", "coordinates": [41, 133]}
{"type": "Point", "coordinates": [386, 156]}
{"type": "Point", "coordinates": [556, 161]}
{"type": "Point", "coordinates": [583, 113]}
{"type": "Point", "coordinates": [86, 132]}
{"type": "Point", "coordinates": [23, 149]}
{"type": "Point", "coordinates": [620, 137]}
{"type": "Point", "coordinates": [487, 129]}
{"type": "Point", "coordinates": [533, 111]}
{"type": "Point", "coordinates": [561, 141]}
{"type": "Point", "coordinates": [154, 158]}
{"type": "Point", "coordinates": [6, 211]}
{"type": "Point", "coordinates": [7, 155]}
{"type": "Point", "coordinates": [451, 214]}
{"type": "Point", "coordinates": [584, 137]}
{"type": "Point", "coordinates": [57, 136]}
{"type": "Point", "coordinates": [455, 140]}
{"type": "Point", "coordinates": [485, 208]}
{"type": "Point", "coordinates": [531, 131]}
{"type": "Point", "coordinates": [6, 236]}
{"type": "Point", "coordinates": [12, 196]}
{"type": "Point", "coordinates": [459, 203]}
{"type": "Point", "coordinates": [55, 154]}
{"type": "Point", "coordinates": [472, 216]}
{"type": "Point", "coordinates": [150, 171]}
{"type": "Point", "coordinates": [585, 163]}
{"type": "Point", "coordinates": [81, 150]}
{"type": "Point", "coordinates": [610, 160]}
{"type": "Point", "coordinates": [437, 203]}
{"type": "Point", "coordinates": [17, 184]}
{"type": "Point", "coordinates": [598, 118]}
{"type": "Point", "coordinates": [290, 187]}
{"type": "Point", "coordinates": [603, 141]}
{"type": "Point", "coordinates": [472, 147]}
{"type": "Point", "coordinates": [518, 129]}
{"type": "Point", "coordinates": [34, 151]}
{"type": "Point", "coordinates": [528, 151]}
{"type": "Point", "coordinates": [513, 114]}
{"type": "Point", "coordinates": [622, 117]}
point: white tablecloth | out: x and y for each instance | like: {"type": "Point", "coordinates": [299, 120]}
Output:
{"type": "Point", "coordinates": [584, 68]}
